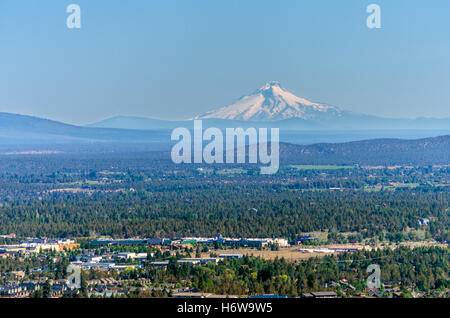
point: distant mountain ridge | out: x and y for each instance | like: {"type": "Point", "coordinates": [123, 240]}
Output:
{"type": "Point", "coordinates": [22, 129]}
{"type": "Point", "coordinates": [272, 106]}
{"type": "Point", "coordinates": [17, 130]}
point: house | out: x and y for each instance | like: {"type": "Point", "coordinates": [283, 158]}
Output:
{"type": "Point", "coordinates": [17, 274]}
{"type": "Point", "coordinates": [375, 293]}
{"type": "Point", "coordinates": [108, 293]}
{"type": "Point", "coordinates": [332, 284]}
{"type": "Point", "coordinates": [190, 295]}
{"type": "Point", "coordinates": [16, 291]}
{"type": "Point", "coordinates": [31, 286]}
{"type": "Point", "coordinates": [268, 296]}
{"type": "Point", "coordinates": [104, 282]}
{"type": "Point", "coordinates": [59, 289]}
{"type": "Point", "coordinates": [324, 294]}
{"type": "Point", "coordinates": [397, 294]}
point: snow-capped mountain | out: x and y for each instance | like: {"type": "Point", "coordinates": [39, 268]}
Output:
{"type": "Point", "coordinates": [272, 102]}
{"type": "Point", "coordinates": [274, 106]}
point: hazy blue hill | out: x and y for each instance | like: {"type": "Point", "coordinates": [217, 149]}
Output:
{"type": "Point", "coordinates": [30, 123]}
{"type": "Point", "coordinates": [426, 151]}
{"type": "Point", "coordinates": [139, 123]}
{"type": "Point", "coordinates": [27, 129]}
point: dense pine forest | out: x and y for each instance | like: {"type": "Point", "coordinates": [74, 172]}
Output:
{"type": "Point", "coordinates": [137, 193]}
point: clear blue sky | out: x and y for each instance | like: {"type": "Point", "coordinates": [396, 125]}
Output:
{"type": "Point", "coordinates": [173, 59]}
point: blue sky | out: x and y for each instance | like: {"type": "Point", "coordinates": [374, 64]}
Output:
{"type": "Point", "coordinates": [174, 59]}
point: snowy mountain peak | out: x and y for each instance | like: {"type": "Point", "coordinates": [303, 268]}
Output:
{"type": "Point", "coordinates": [272, 102]}
{"type": "Point", "coordinates": [270, 85]}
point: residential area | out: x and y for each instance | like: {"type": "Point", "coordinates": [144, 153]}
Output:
{"type": "Point", "coordinates": [157, 267]}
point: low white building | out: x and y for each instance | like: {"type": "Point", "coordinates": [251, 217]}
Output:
{"type": "Point", "coordinates": [281, 242]}
{"type": "Point", "coordinates": [130, 255]}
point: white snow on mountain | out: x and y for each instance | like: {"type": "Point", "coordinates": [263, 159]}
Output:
{"type": "Point", "coordinates": [272, 102]}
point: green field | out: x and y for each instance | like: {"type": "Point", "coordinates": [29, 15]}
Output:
{"type": "Point", "coordinates": [376, 188]}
